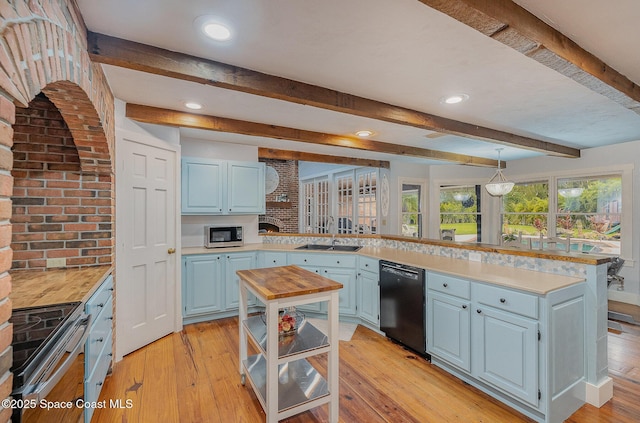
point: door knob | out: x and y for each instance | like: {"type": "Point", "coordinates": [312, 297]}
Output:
{"type": "Point", "coordinates": [171, 250]}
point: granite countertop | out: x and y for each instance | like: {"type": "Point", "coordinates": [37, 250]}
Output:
{"type": "Point", "coordinates": [32, 288]}
{"type": "Point", "coordinates": [511, 277]}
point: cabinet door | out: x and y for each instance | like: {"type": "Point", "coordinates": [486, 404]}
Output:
{"type": "Point", "coordinates": [507, 352]}
{"type": "Point", "coordinates": [449, 329]}
{"type": "Point", "coordinates": [319, 307]}
{"type": "Point", "coordinates": [369, 297]}
{"type": "Point", "coordinates": [203, 183]}
{"type": "Point", "coordinates": [235, 262]}
{"type": "Point", "coordinates": [246, 188]}
{"type": "Point", "coordinates": [347, 277]}
{"type": "Point", "coordinates": [202, 284]}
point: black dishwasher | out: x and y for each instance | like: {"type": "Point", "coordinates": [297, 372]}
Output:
{"type": "Point", "coordinates": [402, 305]}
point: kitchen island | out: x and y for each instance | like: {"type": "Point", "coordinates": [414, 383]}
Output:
{"type": "Point", "coordinates": [284, 381]}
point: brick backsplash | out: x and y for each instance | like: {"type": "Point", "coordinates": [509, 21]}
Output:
{"type": "Point", "coordinates": [58, 210]}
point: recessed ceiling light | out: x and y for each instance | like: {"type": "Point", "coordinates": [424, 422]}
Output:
{"type": "Point", "coordinates": [213, 28]}
{"type": "Point", "coordinates": [192, 105]}
{"type": "Point", "coordinates": [216, 31]}
{"type": "Point", "coordinates": [454, 99]}
{"type": "Point", "coordinates": [364, 134]}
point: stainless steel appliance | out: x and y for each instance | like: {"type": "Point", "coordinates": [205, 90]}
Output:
{"type": "Point", "coordinates": [47, 342]}
{"type": "Point", "coordinates": [402, 305]}
{"type": "Point", "coordinates": [223, 236]}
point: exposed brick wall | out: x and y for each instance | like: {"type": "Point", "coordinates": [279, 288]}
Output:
{"type": "Point", "coordinates": [44, 49]}
{"type": "Point", "coordinates": [289, 183]}
{"type": "Point", "coordinates": [58, 210]}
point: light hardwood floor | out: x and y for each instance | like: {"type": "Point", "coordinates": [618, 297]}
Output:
{"type": "Point", "coordinates": [193, 377]}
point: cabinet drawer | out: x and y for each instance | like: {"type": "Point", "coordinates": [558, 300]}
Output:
{"type": "Point", "coordinates": [273, 259]}
{"type": "Point", "coordinates": [325, 260]}
{"type": "Point", "coordinates": [449, 285]}
{"type": "Point", "coordinates": [369, 264]}
{"type": "Point", "coordinates": [99, 298]}
{"type": "Point", "coordinates": [99, 335]}
{"type": "Point", "coordinates": [505, 299]}
{"type": "Point", "coordinates": [93, 383]}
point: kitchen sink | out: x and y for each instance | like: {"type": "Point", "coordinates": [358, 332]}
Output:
{"type": "Point", "coordinates": [326, 247]}
{"type": "Point", "coordinates": [314, 247]}
{"type": "Point", "coordinates": [345, 248]}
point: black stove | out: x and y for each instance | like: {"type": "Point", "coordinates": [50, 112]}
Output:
{"type": "Point", "coordinates": [33, 327]}
{"type": "Point", "coordinates": [46, 340]}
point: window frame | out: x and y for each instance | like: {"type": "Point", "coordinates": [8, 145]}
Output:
{"type": "Point", "coordinates": [423, 213]}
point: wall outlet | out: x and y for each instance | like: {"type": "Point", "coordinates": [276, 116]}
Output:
{"type": "Point", "coordinates": [475, 256]}
{"type": "Point", "coordinates": [57, 262]}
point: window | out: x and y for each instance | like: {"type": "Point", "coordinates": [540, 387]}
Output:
{"type": "Point", "coordinates": [341, 203]}
{"type": "Point", "coordinates": [367, 202]}
{"type": "Point", "coordinates": [315, 209]}
{"type": "Point", "coordinates": [589, 211]}
{"type": "Point", "coordinates": [411, 211]}
{"type": "Point", "coordinates": [526, 210]}
{"type": "Point", "coordinates": [460, 210]}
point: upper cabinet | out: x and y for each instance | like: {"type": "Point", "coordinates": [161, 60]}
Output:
{"type": "Point", "coordinates": [222, 187]}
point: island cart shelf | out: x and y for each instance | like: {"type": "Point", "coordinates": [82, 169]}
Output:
{"type": "Point", "coordinates": [283, 380]}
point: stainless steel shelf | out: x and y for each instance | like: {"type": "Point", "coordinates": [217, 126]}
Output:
{"type": "Point", "coordinates": [307, 337]}
{"type": "Point", "coordinates": [299, 382]}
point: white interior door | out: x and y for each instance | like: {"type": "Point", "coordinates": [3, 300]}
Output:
{"type": "Point", "coordinates": [147, 296]}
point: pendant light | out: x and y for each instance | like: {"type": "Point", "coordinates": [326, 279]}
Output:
{"type": "Point", "coordinates": [498, 185]}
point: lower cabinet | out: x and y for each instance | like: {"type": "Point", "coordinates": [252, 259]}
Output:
{"type": "Point", "coordinates": [368, 291]}
{"type": "Point", "coordinates": [449, 329]}
{"type": "Point", "coordinates": [338, 267]}
{"type": "Point", "coordinates": [507, 352]}
{"type": "Point", "coordinates": [98, 347]}
{"type": "Point", "coordinates": [509, 343]}
{"type": "Point", "coordinates": [210, 284]}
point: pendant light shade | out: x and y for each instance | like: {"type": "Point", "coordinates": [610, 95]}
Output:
{"type": "Point", "coordinates": [498, 185]}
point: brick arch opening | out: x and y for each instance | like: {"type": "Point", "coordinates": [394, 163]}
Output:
{"type": "Point", "coordinates": [84, 123]}
{"type": "Point", "coordinates": [44, 49]}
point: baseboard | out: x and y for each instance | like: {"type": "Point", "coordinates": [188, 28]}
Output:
{"type": "Point", "coordinates": [624, 297]}
{"type": "Point", "coordinates": [598, 395]}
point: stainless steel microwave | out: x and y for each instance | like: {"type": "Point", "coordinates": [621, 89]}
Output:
{"type": "Point", "coordinates": [223, 236]}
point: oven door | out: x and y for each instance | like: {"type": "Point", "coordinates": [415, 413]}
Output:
{"type": "Point", "coordinates": [58, 380]}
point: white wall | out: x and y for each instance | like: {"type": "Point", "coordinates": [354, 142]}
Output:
{"type": "Point", "coordinates": [193, 226]}
{"type": "Point", "coordinates": [399, 170]}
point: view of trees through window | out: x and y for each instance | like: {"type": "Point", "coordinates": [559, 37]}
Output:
{"type": "Point", "coordinates": [588, 211]}
{"type": "Point", "coordinates": [460, 210]}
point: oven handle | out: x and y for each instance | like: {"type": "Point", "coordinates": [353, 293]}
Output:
{"type": "Point", "coordinates": [42, 389]}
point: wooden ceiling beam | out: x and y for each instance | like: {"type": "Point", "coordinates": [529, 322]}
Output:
{"type": "Point", "coordinates": [272, 153]}
{"type": "Point", "coordinates": [521, 30]}
{"type": "Point", "coordinates": [141, 57]}
{"type": "Point", "coordinates": [155, 115]}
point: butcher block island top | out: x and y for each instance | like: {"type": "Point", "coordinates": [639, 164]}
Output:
{"type": "Point", "coordinates": [31, 288]}
{"type": "Point", "coordinates": [286, 281]}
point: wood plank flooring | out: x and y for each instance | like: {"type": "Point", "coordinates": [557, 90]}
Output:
{"type": "Point", "coordinates": [193, 377]}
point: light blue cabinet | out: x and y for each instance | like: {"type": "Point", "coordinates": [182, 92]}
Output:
{"type": "Point", "coordinates": [235, 262]}
{"type": "Point", "coordinates": [202, 284]}
{"type": "Point", "coordinates": [210, 285]}
{"type": "Point", "coordinates": [97, 348]}
{"type": "Point", "coordinates": [368, 291]}
{"type": "Point", "coordinates": [203, 185]}
{"type": "Point", "coordinates": [338, 267]}
{"type": "Point", "coordinates": [246, 188]}
{"type": "Point", "coordinates": [272, 258]}
{"type": "Point", "coordinates": [506, 348]}
{"type": "Point", "coordinates": [211, 187]}
{"type": "Point", "coordinates": [449, 329]}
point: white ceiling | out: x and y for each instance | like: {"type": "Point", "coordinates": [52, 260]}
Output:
{"type": "Point", "coordinates": [399, 52]}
